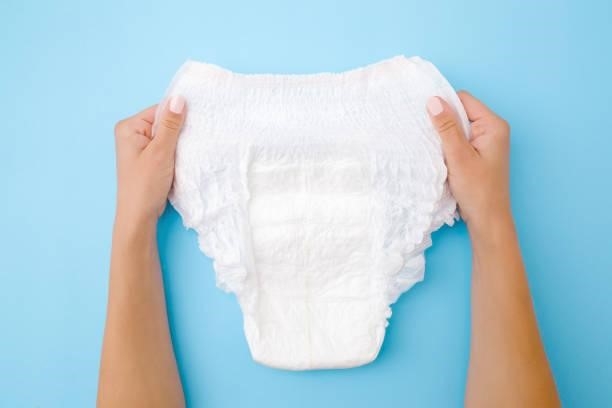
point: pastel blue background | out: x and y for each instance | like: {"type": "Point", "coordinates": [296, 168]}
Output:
{"type": "Point", "coordinates": [70, 70]}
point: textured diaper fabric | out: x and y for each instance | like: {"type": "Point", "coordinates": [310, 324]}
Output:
{"type": "Point", "coordinates": [315, 195]}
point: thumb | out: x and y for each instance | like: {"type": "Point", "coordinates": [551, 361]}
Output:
{"type": "Point", "coordinates": [454, 144]}
{"type": "Point", "coordinates": [169, 122]}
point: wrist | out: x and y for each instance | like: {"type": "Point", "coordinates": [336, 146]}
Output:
{"type": "Point", "coordinates": [130, 228]}
{"type": "Point", "coordinates": [489, 224]}
{"type": "Point", "coordinates": [492, 234]}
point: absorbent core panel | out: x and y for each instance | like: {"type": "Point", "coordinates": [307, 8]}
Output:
{"type": "Point", "coordinates": [315, 195]}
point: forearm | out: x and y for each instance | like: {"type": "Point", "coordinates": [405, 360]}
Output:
{"type": "Point", "coordinates": [138, 367]}
{"type": "Point", "coordinates": [508, 365]}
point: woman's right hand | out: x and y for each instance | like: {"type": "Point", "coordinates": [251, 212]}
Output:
{"type": "Point", "coordinates": [478, 166]}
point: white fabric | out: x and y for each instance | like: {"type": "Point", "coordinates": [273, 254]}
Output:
{"type": "Point", "coordinates": [315, 195]}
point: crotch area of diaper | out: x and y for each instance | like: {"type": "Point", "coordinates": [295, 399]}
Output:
{"type": "Point", "coordinates": [315, 300]}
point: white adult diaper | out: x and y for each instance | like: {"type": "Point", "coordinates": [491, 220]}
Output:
{"type": "Point", "coordinates": [315, 195]}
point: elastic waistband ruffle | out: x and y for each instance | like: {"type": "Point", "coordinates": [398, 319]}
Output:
{"type": "Point", "coordinates": [391, 72]}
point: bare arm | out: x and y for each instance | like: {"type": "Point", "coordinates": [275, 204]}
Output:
{"type": "Point", "coordinates": [508, 365]}
{"type": "Point", "coordinates": [138, 367]}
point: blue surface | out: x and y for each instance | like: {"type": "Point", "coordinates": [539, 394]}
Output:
{"type": "Point", "coordinates": [70, 70]}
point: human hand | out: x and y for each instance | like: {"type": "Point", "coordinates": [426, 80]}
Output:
{"type": "Point", "coordinates": [145, 161]}
{"type": "Point", "coordinates": [478, 166]}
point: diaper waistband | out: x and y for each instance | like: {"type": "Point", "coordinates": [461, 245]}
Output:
{"type": "Point", "coordinates": [414, 73]}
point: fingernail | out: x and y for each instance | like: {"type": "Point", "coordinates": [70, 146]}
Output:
{"type": "Point", "coordinates": [177, 104]}
{"type": "Point", "coordinates": [434, 106]}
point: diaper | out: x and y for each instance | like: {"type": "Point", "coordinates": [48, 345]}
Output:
{"type": "Point", "coordinates": [315, 196]}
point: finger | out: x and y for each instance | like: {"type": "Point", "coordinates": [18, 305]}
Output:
{"type": "Point", "coordinates": [474, 108]}
{"type": "Point", "coordinates": [169, 123]}
{"type": "Point", "coordinates": [454, 144]}
{"type": "Point", "coordinates": [144, 121]}
{"type": "Point", "coordinates": [147, 114]}
{"type": "Point", "coordinates": [141, 123]}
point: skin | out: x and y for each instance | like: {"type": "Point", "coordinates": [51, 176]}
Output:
{"type": "Point", "coordinates": [508, 365]}
{"type": "Point", "coordinates": [138, 367]}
